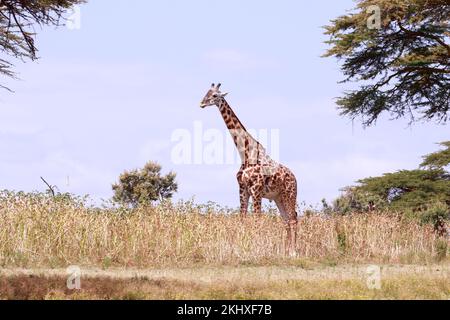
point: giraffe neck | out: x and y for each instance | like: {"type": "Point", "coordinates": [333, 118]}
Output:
{"type": "Point", "coordinates": [250, 150]}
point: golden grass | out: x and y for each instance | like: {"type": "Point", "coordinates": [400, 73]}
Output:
{"type": "Point", "coordinates": [39, 232]}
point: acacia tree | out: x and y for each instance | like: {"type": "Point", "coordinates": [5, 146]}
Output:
{"type": "Point", "coordinates": [17, 21]}
{"type": "Point", "coordinates": [402, 61]}
{"type": "Point", "coordinates": [414, 188]}
{"type": "Point", "coordinates": [424, 191]}
{"type": "Point", "coordinates": [439, 159]}
{"type": "Point", "coordinates": [144, 186]}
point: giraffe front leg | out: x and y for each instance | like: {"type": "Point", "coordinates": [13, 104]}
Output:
{"type": "Point", "coordinates": [244, 198]}
{"type": "Point", "coordinates": [257, 206]}
{"type": "Point", "coordinates": [257, 193]}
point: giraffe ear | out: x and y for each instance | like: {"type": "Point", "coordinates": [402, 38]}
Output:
{"type": "Point", "coordinates": [224, 94]}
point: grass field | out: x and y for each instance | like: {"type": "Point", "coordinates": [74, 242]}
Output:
{"type": "Point", "coordinates": [194, 252]}
{"type": "Point", "coordinates": [271, 282]}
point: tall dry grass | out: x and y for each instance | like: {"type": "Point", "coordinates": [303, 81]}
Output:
{"type": "Point", "coordinates": [37, 231]}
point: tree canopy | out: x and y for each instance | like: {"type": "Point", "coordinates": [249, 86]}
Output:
{"type": "Point", "coordinates": [17, 21]}
{"type": "Point", "coordinates": [439, 159]}
{"type": "Point", "coordinates": [145, 185]}
{"type": "Point", "coordinates": [413, 189]}
{"type": "Point", "coordinates": [402, 62]}
{"type": "Point", "coordinates": [405, 191]}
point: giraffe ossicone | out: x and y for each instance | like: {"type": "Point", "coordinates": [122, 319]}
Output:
{"type": "Point", "coordinates": [259, 176]}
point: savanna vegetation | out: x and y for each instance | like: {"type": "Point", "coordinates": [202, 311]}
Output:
{"type": "Point", "coordinates": [40, 231]}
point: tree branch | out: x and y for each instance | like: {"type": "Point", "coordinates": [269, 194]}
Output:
{"type": "Point", "coordinates": [25, 35]}
{"type": "Point", "coordinates": [424, 35]}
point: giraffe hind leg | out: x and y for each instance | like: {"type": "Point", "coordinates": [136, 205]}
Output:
{"type": "Point", "coordinates": [293, 228]}
{"type": "Point", "coordinates": [285, 216]}
{"type": "Point", "coordinates": [287, 207]}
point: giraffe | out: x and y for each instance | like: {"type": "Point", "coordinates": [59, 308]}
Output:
{"type": "Point", "coordinates": [259, 176]}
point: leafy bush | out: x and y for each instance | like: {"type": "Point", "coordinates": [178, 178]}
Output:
{"type": "Point", "coordinates": [144, 186]}
{"type": "Point", "coordinates": [436, 214]}
{"type": "Point", "coordinates": [355, 200]}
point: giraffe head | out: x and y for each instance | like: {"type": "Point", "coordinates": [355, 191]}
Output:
{"type": "Point", "coordinates": [213, 97]}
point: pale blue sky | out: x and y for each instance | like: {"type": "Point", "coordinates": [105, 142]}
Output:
{"type": "Point", "coordinates": [109, 96]}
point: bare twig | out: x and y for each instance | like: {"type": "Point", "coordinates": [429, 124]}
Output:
{"type": "Point", "coordinates": [52, 190]}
